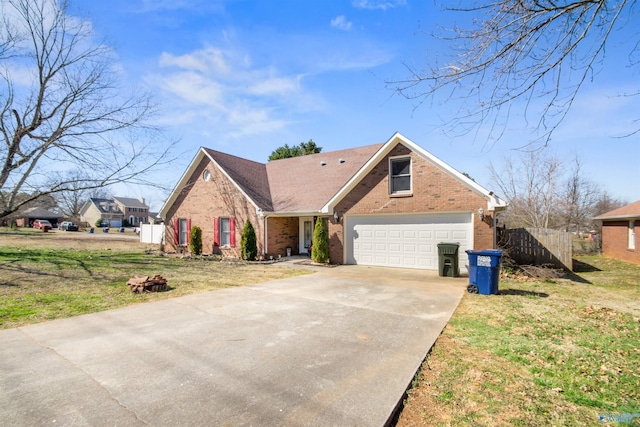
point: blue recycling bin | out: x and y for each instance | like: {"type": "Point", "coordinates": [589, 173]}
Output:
{"type": "Point", "coordinates": [484, 271]}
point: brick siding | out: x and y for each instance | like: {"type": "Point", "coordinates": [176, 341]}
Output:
{"type": "Point", "coordinates": [282, 233]}
{"type": "Point", "coordinates": [615, 241]}
{"type": "Point", "coordinates": [433, 191]}
{"type": "Point", "coordinates": [202, 201]}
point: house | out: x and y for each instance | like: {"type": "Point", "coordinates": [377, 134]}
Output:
{"type": "Point", "coordinates": [113, 212]}
{"type": "Point", "coordinates": [26, 217]}
{"type": "Point", "coordinates": [135, 211]}
{"type": "Point", "coordinates": [386, 204]}
{"type": "Point", "coordinates": [621, 233]}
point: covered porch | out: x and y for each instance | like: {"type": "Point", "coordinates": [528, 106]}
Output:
{"type": "Point", "coordinates": [290, 235]}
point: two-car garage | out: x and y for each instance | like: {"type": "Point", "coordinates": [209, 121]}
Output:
{"type": "Point", "coordinates": [408, 241]}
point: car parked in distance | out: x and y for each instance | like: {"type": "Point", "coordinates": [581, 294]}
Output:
{"type": "Point", "coordinates": [42, 224]}
{"type": "Point", "coordinates": [68, 226]}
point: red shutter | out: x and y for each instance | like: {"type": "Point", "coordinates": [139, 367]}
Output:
{"type": "Point", "coordinates": [176, 231]}
{"type": "Point", "coordinates": [232, 234]}
{"type": "Point", "coordinates": [188, 231]}
{"type": "Point", "coordinates": [216, 232]}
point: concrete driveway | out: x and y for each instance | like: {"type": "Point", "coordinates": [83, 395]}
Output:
{"type": "Point", "coordinates": [338, 347]}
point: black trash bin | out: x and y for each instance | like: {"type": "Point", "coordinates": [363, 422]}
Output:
{"type": "Point", "coordinates": [448, 259]}
{"type": "Point", "coordinates": [484, 271]}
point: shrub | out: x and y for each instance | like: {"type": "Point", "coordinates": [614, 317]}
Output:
{"type": "Point", "coordinates": [248, 242]}
{"type": "Point", "coordinates": [195, 241]}
{"type": "Point", "coordinates": [320, 248]}
{"type": "Point", "coordinates": [125, 223]}
{"type": "Point", "coordinates": [98, 223]}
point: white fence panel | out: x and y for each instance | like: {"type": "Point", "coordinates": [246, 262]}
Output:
{"type": "Point", "coordinates": [152, 233]}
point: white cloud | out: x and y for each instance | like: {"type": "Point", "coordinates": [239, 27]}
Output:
{"type": "Point", "coordinates": [225, 91]}
{"type": "Point", "coordinates": [341, 23]}
{"type": "Point", "coordinates": [276, 85]}
{"type": "Point", "coordinates": [378, 4]}
{"type": "Point", "coordinates": [193, 88]}
{"type": "Point", "coordinates": [206, 60]}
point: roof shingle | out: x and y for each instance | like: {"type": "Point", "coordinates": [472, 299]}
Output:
{"type": "Point", "coordinates": [296, 184]}
{"type": "Point", "coordinates": [631, 210]}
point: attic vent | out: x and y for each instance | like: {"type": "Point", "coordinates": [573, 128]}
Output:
{"type": "Point", "coordinates": [323, 163]}
{"type": "Point", "coordinates": [341, 160]}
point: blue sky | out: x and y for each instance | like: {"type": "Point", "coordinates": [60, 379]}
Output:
{"type": "Point", "coordinates": [246, 77]}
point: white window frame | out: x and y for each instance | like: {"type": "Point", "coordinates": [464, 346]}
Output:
{"type": "Point", "coordinates": [182, 231]}
{"type": "Point", "coordinates": [225, 235]}
{"type": "Point", "coordinates": [391, 176]}
{"type": "Point", "coordinates": [632, 235]}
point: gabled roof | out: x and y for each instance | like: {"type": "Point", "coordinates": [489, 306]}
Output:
{"type": "Point", "coordinates": [313, 183]}
{"type": "Point", "coordinates": [630, 211]}
{"type": "Point", "coordinates": [306, 183]}
{"type": "Point", "coordinates": [130, 203]}
{"type": "Point", "coordinates": [493, 201]}
{"type": "Point", "coordinates": [103, 205]}
{"type": "Point", "coordinates": [249, 176]}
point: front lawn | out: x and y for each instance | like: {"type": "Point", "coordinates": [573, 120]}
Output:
{"type": "Point", "coordinates": [558, 353]}
{"type": "Point", "coordinates": [46, 276]}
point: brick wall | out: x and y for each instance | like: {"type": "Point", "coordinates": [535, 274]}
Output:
{"type": "Point", "coordinates": [615, 241]}
{"type": "Point", "coordinates": [202, 201]}
{"type": "Point", "coordinates": [282, 233]}
{"type": "Point", "coordinates": [434, 191]}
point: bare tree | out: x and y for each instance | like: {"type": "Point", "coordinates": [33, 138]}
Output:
{"type": "Point", "coordinates": [70, 202]}
{"type": "Point", "coordinates": [529, 57]}
{"type": "Point", "coordinates": [530, 185]}
{"type": "Point", "coordinates": [606, 203]}
{"type": "Point", "coordinates": [543, 194]}
{"type": "Point", "coordinates": [66, 117]}
{"type": "Point", "coordinates": [578, 200]}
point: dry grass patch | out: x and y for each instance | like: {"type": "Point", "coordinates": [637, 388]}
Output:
{"type": "Point", "coordinates": [540, 353]}
{"type": "Point", "coordinates": [45, 277]}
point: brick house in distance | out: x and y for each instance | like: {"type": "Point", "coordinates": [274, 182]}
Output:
{"type": "Point", "coordinates": [621, 233]}
{"type": "Point", "coordinates": [112, 212]}
{"type": "Point", "coordinates": [386, 204]}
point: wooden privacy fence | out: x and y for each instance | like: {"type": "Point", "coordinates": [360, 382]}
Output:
{"type": "Point", "coordinates": [538, 246]}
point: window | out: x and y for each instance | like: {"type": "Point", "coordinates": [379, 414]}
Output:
{"type": "Point", "coordinates": [632, 235]}
{"type": "Point", "coordinates": [400, 175]}
{"type": "Point", "coordinates": [225, 232]}
{"type": "Point", "coordinates": [206, 175]}
{"type": "Point", "coordinates": [183, 232]}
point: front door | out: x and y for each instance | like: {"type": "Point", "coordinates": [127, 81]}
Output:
{"type": "Point", "coordinates": [306, 234]}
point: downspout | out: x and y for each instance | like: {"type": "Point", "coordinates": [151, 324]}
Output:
{"type": "Point", "coordinates": [495, 231]}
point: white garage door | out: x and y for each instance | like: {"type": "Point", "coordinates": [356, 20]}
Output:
{"type": "Point", "coordinates": [408, 241]}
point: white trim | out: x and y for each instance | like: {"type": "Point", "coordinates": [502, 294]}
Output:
{"type": "Point", "coordinates": [617, 217]}
{"type": "Point", "coordinates": [189, 172]}
{"type": "Point", "coordinates": [301, 222]}
{"type": "Point", "coordinates": [405, 192]}
{"type": "Point", "coordinates": [632, 235]}
{"type": "Point", "coordinates": [265, 240]}
{"type": "Point", "coordinates": [493, 201]}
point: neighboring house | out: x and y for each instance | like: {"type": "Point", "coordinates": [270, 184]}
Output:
{"type": "Point", "coordinates": [154, 218]}
{"type": "Point", "coordinates": [26, 217]}
{"type": "Point", "coordinates": [112, 212]}
{"type": "Point", "coordinates": [621, 233]}
{"type": "Point", "coordinates": [135, 211]}
{"type": "Point", "coordinates": [386, 204]}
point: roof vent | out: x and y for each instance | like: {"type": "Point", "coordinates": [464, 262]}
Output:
{"type": "Point", "coordinates": [341, 160]}
{"type": "Point", "coordinates": [323, 163]}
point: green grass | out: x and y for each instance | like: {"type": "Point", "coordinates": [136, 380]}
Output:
{"type": "Point", "coordinates": [540, 353]}
{"type": "Point", "coordinates": [40, 283]}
